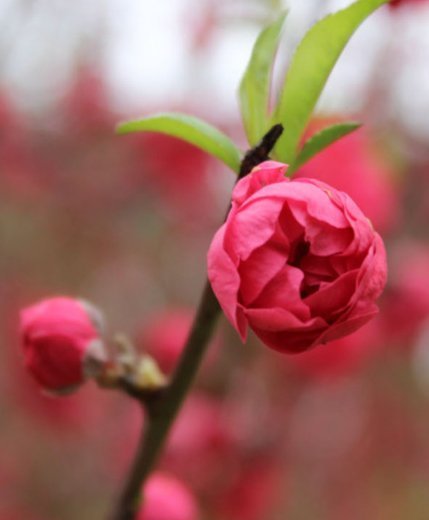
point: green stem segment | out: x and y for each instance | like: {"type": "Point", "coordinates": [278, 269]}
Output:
{"type": "Point", "coordinates": [162, 412]}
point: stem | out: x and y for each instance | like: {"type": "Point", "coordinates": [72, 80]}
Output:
{"type": "Point", "coordinates": [162, 412]}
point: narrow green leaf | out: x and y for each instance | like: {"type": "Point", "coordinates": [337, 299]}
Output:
{"type": "Point", "coordinates": [254, 92]}
{"type": "Point", "coordinates": [321, 140]}
{"type": "Point", "coordinates": [190, 129]}
{"type": "Point", "coordinates": [311, 65]}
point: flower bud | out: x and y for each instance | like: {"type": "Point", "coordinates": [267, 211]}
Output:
{"type": "Point", "coordinates": [296, 260]}
{"type": "Point", "coordinates": [61, 342]}
{"type": "Point", "coordinates": [166, 498]}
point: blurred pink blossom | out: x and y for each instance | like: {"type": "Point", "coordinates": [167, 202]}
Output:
{"type": "Point", "coordinates": [253, 492]}
{"type": "Point", "coordinates": [164, 336]}
{"type": "Point", "coordinates": [355, 165]}
{"type": "Point", "coordinates": [406, 301]}
{"type": "Point", "coordinates": [175, 171]}
{"type": "Point", "coordinates": [394, 4]}
{"type": "Point", "coordinates": [342, 357]}
{"type": "Point", "coordinates": [200, 442]}
{"type": "Point", "coordinates": [166, 498]}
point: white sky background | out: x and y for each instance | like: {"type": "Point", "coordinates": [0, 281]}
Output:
{"type": "Point", "coordinates": [144, 50]}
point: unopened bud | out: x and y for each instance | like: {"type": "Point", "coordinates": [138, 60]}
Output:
{"type": "Point", "coordinates": [62, 342]}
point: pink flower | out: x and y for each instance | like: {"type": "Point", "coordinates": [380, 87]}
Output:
{"type": "Point", "coordinates": [297, 261]}
{"type": "Point", "coordinates": [61, 342]}
{"type": "Point", "coordinates": [166, 498]}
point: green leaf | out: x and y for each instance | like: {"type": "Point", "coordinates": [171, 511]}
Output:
{"type": "Point", "coordinates": [254, 92]}
{"type": "Point", "coordinates": [321, 140]}
{"type": "Point", "coordinates": [311, 65]}
{"type": "Point", "coordinates": [190, 129]}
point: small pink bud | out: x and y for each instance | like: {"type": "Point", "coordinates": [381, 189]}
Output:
{"type": "Point", "coordinates": [166, 498]}
{"type": "Point", "coordinates": [61, 342]}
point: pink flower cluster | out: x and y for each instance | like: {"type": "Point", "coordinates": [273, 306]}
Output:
{"type": "Point", "coordinates": [297, 261]}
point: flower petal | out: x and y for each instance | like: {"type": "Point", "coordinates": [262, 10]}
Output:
{"type": "Point", "coordinates": [225, 281]}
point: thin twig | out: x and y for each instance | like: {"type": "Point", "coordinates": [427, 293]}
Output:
{"type": "Point", "coordinates": [164, 410]}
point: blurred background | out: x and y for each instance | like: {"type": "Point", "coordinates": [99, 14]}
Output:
{"type": "Point", "coordinates": [338, 433]}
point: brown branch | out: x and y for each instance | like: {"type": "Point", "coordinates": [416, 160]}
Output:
{"type": "Point", "coordinates": [162, 412]}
